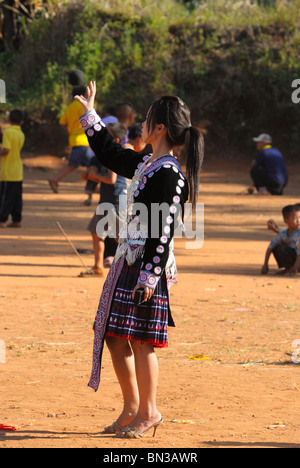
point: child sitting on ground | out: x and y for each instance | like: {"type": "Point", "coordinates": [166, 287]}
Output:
{"type": "Point", "coordinates": [285, 246]}
{"type": "Point", "coordinates": [272, 226]}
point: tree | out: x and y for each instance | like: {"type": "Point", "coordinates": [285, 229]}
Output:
{"type": "Point", "coordinates": [12, 13]}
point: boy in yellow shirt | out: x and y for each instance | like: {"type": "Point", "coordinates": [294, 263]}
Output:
{"type": "Point", "coordinates": [11, 172]}
{"type": "Point", "coordinates": [81, 153]}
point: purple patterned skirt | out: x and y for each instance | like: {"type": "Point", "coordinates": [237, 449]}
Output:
{"type": "Point", "coordinates": [147, 322]}
{"type": "Point", "coordinates": [118, 316]}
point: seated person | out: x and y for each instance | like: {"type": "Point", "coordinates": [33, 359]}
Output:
{"type": "Point", "coordinates": [285, 246]}
{"type": "Point", "coordinates": [272, 226]}
{"type": "Point", "coordinates": [269, 172]}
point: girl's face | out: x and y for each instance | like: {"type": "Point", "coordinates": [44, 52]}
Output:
{"type": "Point", "coordinates": [149, 132]}
{"type": "Point", "coordinates": [146, 134]}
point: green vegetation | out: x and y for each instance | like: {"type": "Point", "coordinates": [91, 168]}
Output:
{"type": "Point", "coordinates": [232, 61]}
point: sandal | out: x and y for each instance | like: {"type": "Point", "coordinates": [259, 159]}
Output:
{"type": "Point", "coordinates": [115, 428]}
{"type": "Point", "coordinates": [53, 185]}
{"type": "Point", "coordinates": [131, 433]}
{"type": "Point", "coordinates": [92, 272]}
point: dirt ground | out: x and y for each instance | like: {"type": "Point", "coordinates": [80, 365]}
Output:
{"type": "Point", "coordinates": [227, 379]}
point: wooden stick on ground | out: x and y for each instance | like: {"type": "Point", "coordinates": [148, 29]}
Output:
{"type": "Point", "coordinates": [72, 245]}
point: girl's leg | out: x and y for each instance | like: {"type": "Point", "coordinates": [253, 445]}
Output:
{"type": "Point", "coordinates": [98, 247]}
{"type": "Point", "coordinates": [123, 362]}
{"type": "Point", "coordinates": [146, 368]}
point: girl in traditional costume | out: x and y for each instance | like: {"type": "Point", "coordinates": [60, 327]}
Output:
{"type": "Point", "coordinates": [144, 258]}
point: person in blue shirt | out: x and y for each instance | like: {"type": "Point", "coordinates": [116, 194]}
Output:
{"type": "Point", "coordinates": [269, 173]}
{"type": "Point", "coordinates": [285, 246]}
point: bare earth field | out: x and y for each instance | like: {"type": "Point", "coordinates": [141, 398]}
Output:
{"type": "Point", "coordinates": [227, 380]}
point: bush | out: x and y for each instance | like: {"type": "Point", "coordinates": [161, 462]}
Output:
{"type": "Point", "coordinates": [232, 61]}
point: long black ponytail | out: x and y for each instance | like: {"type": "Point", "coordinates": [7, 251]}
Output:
{"type": "Point", "coordinates": [176, 117]}
{"type": "Point", "coordinates": [195, 156]}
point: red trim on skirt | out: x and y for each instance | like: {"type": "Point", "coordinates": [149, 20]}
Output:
{"type": "Point", "coordinates": [155, 344]}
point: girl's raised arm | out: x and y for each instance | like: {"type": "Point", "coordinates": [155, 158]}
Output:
{"type": "Point", "coordinates": [88, 101]}
{"type": "Point", "coordinates": [111, 154]}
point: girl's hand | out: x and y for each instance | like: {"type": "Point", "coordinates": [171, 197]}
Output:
{"type": "Point", "coordinates": [148, 291]}
{"type": "Point", "coordinates": [88, 101]}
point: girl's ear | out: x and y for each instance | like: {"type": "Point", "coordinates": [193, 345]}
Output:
{"type": "Point", "coordinates": [161, 128]}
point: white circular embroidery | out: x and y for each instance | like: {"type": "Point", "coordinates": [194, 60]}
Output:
{"type": "Point", "coordinates": [151, 280]}
{"type": "Point", "coordinates": [156, 259]}
{"type": "Point", "coordinates": [167, 230]}
{"type": "Point", "coordinates": [169, 220]}
{"type": "Point", "coordinates": [178, 190]}
{"type": "Point", "coordinates": [157, 270]}
{"type": "Point", "coordinates": [97, 127]}
{"type": "Point", "coordinates": [143, 277]}
{"type": "Point", "coordinates": [173, 209]}
{"type": "Point", "coordinates": [163, 240]}
{"type": "Point", "coordinates": [90, 132]}
{"type": "Point", "coordinates": [175, 169]}
{"type": "Point", "coordinates": [176, 199]}
{"type": "Point", "coordinates": [148, 266]}
{"type": "Point", "coordinates": [180, 183]}
{"type": "Point", "coordinates": [160, 249]}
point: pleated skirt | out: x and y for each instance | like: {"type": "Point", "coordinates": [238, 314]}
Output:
{"type": "Point", "coordinates": [148, 322]}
